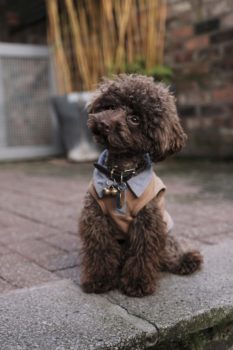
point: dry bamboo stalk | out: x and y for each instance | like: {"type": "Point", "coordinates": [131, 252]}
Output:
{"type": "Point", "coordinates": [95, 42]}
{"type": "Point", "coordinates": [92, 63]}
{"type": "Point", "coordinates": [143, 28]}
{"type": "Point", "coordinates": [130, 43]}
{"type": "Point", "coordinates": [136, 31]}
{"type": "Point", "coordinates": [162, 31]}
{"type": "Point", "coordinates": [85, 37]}
{"type": "Point", "coordinates": [58, 45]}
{"type": "Point", "coordinates": [151, 34]}
{"type": "Point", "coordinates": [78, 45]}
{"type": "Point", "coordinates": [108, 31]}
{"type": "Point", "coordinates": [122, 30]}
{"type": "Point", "coordinates": [106, 50]}
{"type": "Point", "coordinates": [67, 44]}
{"type": "Point", "coordinates": [99, 35]}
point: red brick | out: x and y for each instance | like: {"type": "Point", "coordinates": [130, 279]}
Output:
{"type": "Point", "coordinates": [226, 64]}
{"type": "Point", "coordinates": [209, 53]}
{"type": "Point", "coordinates": [45, 255]}
{"type": "Point", "coordinates": [206, 26]}
{"type": "Point", "coordinates": [20, 272]}
{"type": "Point", "coordinates": [224, 94]}
{"type": "Point", "coordinates": [182, 32]}
{"type": "Point", "coordinates": [183, 56]}
{"type": "Point", "coordinates": [64, 241]}
{"type": "Point", "coordinates": [221, 37]}
{"type": "Point", "coordinates": [20, 229]}
{"type": "Point", "coordinates": [60, 191]}
{"type": "Point", "coordinates": [178, 9]}
{"type": "Point", "coordinates": [35, 250]}
{"type": "Point", "coordinates": [197, 42]}
{"type": "Point", "coordinates": [62, 217]}
{"type": "Point", "coordinates": [219, 8]}
{"type": "Point", "coordinates": [227, 21]}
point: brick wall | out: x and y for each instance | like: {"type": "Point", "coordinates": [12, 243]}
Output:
{"type": "Point", "coordinates": [199, 48]}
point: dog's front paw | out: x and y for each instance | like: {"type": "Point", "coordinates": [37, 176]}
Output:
{"type": "Point", "coordinates": [98, 286]}
{"type": "Point", "coordinates": [136, 288]}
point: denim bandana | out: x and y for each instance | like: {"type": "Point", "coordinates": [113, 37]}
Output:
{"type": "Point", "coordinates": [137, 184]}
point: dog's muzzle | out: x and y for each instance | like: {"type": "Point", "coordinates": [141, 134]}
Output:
{"type": "Point", "coordinates": [104, 122]}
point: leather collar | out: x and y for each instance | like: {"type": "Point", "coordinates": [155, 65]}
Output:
{"type": "Point", "coordinates": [116, 175]}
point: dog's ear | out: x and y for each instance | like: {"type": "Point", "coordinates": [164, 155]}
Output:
{"type": "Point", "coordinates": [167, 132]}
{"type": "Point", "coordinates": [93, 102]}
{"type": "Point", "coordinates": [101, 98]}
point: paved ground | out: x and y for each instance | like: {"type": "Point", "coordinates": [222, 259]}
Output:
{"type": "Point", "coordinates": [39, 207]}
{"type": "Point", "coordinates": [40, 203]}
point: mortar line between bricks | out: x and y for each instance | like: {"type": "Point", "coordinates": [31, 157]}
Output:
{"type": "Point", "coordinates": [64, 268]}
{"type": "Point", "coordinates": [114, 302]}
{"type": "Point", "coordinates": [38, 264]}
{"type": "Point", "coordinates": [32, 219]}
{"type": "Point", "coordinates": [9, 282]}
{"type": "Point", "coordinates": [46, 199]}
{"type": "Point", "coordinates": [44, 240]}
{"type": "Point", "coordinates": [31, 260]}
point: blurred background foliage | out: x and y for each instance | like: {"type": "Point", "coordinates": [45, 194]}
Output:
{"type": "Point", "coordinates": [96, 38]}
{"type": "Point", "coordinates": [158, 72]}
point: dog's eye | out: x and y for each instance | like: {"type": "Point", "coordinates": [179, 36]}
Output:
{"type": "Point", "coordinates": [108, 107]}
{"type": "Point", "coordinates": [133, 119]}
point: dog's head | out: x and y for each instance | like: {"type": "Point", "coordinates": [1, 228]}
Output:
{"type": "Point", "coordinates": [133, 114]}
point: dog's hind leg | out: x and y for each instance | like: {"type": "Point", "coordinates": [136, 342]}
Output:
{"type": "Point", "coordinates": [178, 261]}
{"type": "Point", "coordinates": [100, 252]}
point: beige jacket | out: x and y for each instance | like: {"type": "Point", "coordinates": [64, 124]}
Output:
{"type": "Point", "coordinates": [156, 188]}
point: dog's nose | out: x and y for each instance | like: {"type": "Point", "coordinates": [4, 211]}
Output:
{"type": "Point", "coordinates": [105, 126]}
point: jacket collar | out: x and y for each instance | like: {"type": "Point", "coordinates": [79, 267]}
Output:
{"type": "Point", "coordinates": [137, 184]}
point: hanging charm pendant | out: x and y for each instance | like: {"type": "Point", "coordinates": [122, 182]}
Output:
{"type": "Point", "coordinates": [116, 190]}
{"type": "Point", "coordinates": [120, 199]}
{"type": "Point", "coordinates": [110, 190]}
{"type": "Point", "coordinates": [121, 195]}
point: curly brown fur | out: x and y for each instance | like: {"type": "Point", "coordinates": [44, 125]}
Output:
{"type": "Point", "coordinates": [178, 261]}
{"type": "Point", "coordinates": [146, 243]}
{"type": "Point", "coordinates": [101, 254]}
{"type": "Point", "coordinates": [160, 131]}
{"type": "Point", "coordinates": [131, 115]}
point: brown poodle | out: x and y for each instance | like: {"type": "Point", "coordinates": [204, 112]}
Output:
{"type": "Point", "coordinates": [124, 227]}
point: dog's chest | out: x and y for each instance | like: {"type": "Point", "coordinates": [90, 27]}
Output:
{"type": "Point", "coordinates": [123, 217]}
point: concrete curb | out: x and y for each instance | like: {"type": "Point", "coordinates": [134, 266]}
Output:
{"type": "Point", "coordinates": [59, 315]}
{"type": "Point", "coordinates": [188, 304]}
